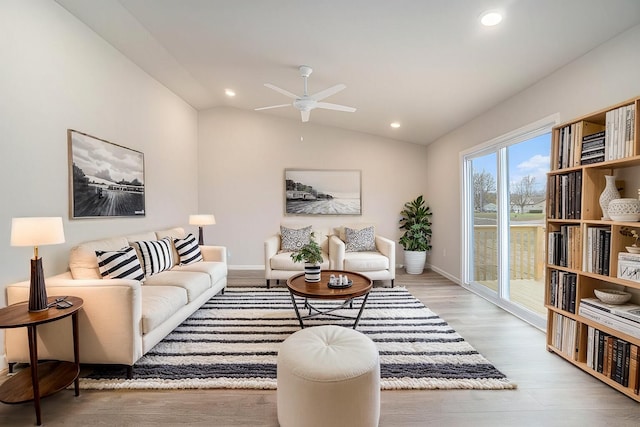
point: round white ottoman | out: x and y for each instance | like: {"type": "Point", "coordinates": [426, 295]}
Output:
{"type": "Point", "coordinates": [328, 376]}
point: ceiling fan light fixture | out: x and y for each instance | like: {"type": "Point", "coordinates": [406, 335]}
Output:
{"type": "Point", "coordinates": [490, 18]}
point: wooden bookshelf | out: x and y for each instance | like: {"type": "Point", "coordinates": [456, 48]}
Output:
{"type": "Point", "coordinates": [584, 150]}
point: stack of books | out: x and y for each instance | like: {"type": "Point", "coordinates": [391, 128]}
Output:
{"type": "Point", "coordinates": [619, 135]}
{"type": "Point", "coordinates": [593, 148]}
{"type": "Point", "coordinates": [629, 266]}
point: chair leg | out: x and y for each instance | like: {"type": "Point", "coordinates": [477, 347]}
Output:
{"type": "Point", "coordinates": [392, 282]}
{"type": "Point", "coordinates": [268, 283]}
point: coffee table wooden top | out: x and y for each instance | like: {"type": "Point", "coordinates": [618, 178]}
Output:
{"type": "Point", "coordinates": [361, 285]}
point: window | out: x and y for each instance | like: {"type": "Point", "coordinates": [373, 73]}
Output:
{"type": "Point", "coordinates": [504, 202]}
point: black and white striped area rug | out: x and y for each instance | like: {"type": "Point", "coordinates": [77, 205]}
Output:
{"type": "Point", "coordinates": [233, 341]}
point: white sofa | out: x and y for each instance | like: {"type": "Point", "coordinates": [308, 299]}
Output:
{"type": "Point", "coordinates": [121, 319]}
{"type": "Point", "coordinates": [377, 264]}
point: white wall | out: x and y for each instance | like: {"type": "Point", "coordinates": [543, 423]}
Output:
{"type": "Point", "coordinates": [57, 74]}
{"type": "Point", "coordinates": [605, 76]}
{"type": "Point", "coordinates": [242, 158]}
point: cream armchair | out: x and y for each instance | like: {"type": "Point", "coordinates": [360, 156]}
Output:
{"type": "Point", "coordinates": [377, 264]}
{"type": "Point", "coordinates": [278, 264]}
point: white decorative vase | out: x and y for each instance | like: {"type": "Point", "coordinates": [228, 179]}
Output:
{"type": "Point", "coordinates": [414, 261]}
{"type": "Point", "coordinates": [609, 193]}
{"type": "Point", "coordinates": [311, 272]}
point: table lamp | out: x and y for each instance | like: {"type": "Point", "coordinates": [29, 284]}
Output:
{"type": "Point", "coordinates": [200, 221]}
{"type": "Point", "coordinates": [37, 231]}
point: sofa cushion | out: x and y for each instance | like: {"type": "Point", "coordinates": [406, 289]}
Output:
{"type": "Point", "coordinates": [292, 239]}
{"type": "Point", "coordinates": [283, 261]}
{"type": "Point", "coordinates": [157, 255]}
{"type": "Point", "coordinates": [360, 240]}
{"type": "Point", "coordinates": [195, 283]}
{"type": "Point", "coordinates": [215, 270]}
{"type": "Point", "coordinates": [188, 250]}
{"type": "Point", "coordinates": [83, 262]}
{"type": "Point", "coordinates": [160, 303]}
{"type": "Point", "coordinates": [365, 261]}
{"type": "Point", "coordinates": [122, 264]}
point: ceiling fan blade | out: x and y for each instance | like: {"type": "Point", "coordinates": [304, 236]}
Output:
{"type": "Point", "coordinates": [271, 106]}
{"type": "Point", "coordinates": [305, 115]}
{"type": "Point", "coordinates": [329, 106]}
{"type": "Point", "coordinates": [282, 91]}
{"type": "Point", "coordinates": [328, 92]}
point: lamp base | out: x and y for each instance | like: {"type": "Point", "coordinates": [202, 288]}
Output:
{"type": "Point", "coordinates": [37, 290]}
{"type": "Point", "coordinates": [200, 236]}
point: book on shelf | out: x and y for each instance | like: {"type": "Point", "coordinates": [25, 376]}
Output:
{"type": "Point", "coordinates": [596, 257]}
{"type": "Point", "coordinates": [612, 322]}
{"type": "Point", "coordinates": [613, 357]}
{"type": "Point", "coordinates": [627, 311]}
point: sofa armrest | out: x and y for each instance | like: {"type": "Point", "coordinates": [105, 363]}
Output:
{"type": "Point", "coordinates": [214, 253]}
{"type": "Point", "coordinates": [336, 253]}
{"type": "Point", "coordinates": [271, 247]}
{"type": "Point", "coordinates": [387, 247]}
{"type": "Point", "coordinates": [109, 322]}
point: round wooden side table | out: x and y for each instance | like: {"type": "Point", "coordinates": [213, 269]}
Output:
{"type": "Point", "coordinates": [45, 379]}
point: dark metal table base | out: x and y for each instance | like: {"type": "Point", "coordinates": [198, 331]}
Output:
{"type": "Point", "coordinates": [314, 311]}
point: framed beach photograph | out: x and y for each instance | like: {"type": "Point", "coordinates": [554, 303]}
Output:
{"type": "Point", "coordinates": [105, 179]}
{"type": "Point", "coordinates": [322, 192]}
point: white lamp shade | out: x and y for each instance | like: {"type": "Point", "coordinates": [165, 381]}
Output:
{"type": "Point", "coordinates": [202, 219]}
{"type": "Point", "coordinates": [36, 231]}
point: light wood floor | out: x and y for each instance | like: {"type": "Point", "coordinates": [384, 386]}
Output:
{"type": "Point", "coordinates": [550, 392]}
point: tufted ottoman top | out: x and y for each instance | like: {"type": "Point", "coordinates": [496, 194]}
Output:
{"type": "Point", "coordinates": [328, 353]}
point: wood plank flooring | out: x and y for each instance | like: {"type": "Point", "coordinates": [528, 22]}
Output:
{"type": "Point", "coordinates": [550, 392]}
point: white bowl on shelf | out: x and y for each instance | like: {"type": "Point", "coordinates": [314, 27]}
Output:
{"type": "Point", "coordinates": [624, 209]}
{"type": "Point", "coordinates": [633, 249]}
{"type": "Point", "coordinates": [612, 296]}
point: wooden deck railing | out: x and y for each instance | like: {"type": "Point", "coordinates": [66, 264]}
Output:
{"type": "Point", "coordinates": [526, 252]}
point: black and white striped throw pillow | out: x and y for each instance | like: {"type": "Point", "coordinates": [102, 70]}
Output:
{"type": "Point", "coordinates": [188, 250]}
{"type": "Point", "coordinates": [122, 264]}
{"type": "Point", "coordinates": [157, 255]}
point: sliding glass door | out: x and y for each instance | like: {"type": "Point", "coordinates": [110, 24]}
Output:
{"type": "Point", "coordinates": [504, 199]}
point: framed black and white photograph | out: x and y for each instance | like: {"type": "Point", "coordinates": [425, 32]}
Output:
{"type": "Point", "coordinates": [322, 192]}
{"type": "Point", "coordinates": [106, 179]}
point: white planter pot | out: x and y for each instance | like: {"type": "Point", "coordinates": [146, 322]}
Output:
{"type": "Point", "coordinates": [311, 272]}
{"type": "Point", "coordinates": [414, 261]}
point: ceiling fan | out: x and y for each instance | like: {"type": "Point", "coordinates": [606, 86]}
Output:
{"type": "Point", "coordinates": [306, 102]}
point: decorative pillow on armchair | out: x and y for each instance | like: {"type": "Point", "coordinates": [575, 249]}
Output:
{"type": "Point", "coordinates": [188, 250]}
{"type": "Point", "coordinates": [292, 239]}
{"type": "Point", "coordinates": [360, 240]}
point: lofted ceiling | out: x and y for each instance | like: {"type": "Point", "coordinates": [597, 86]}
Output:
{"type": "Point", "coordinates": [427, 64]}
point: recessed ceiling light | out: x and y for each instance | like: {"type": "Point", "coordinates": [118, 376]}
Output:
{"type": "Point", "coordinates": [489, 19]}
{"type": "Point", "coordinates": [395, 125]}
{"type": "Point", "coordinates": [230, 93]}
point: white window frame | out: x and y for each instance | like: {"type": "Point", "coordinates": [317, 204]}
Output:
{"type": "Point", "coordinates": [498, 146]}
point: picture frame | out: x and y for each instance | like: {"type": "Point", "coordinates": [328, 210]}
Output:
{"type": "Point", "coordinates": [106, 180]}
{"type": "Point", "coordinates": [323, 192]}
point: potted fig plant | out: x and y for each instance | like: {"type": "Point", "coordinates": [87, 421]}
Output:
{"type": "Point", "coordinates": [416, 239]}
{"type": "Point", "coordinates": [311, 254]}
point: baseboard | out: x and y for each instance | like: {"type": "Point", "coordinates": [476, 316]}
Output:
{"type": "Point", "coordinates": [441, 272]}
{"type": "Point", "coordinates": [245, 267]}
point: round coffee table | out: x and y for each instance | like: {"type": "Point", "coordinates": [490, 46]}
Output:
{"type": "Point", "coordinates": [299, 287]}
